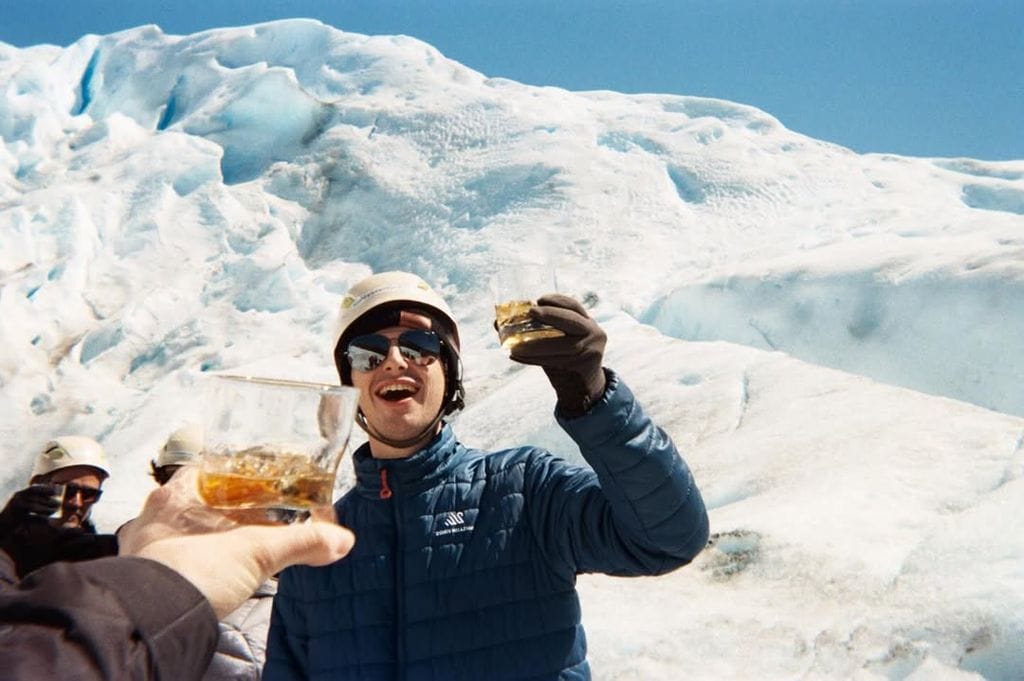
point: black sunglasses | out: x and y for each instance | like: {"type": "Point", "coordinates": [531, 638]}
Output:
{"type": "Point", "coordinates": [366, 353]}
{"type": "Point", "coordinates": [89, 494]}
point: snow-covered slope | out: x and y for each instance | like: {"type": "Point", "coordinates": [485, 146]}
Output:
{"type": "Point", "coordinates": [835, 340]}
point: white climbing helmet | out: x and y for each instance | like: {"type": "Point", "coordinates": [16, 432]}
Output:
{"type": "Point", "coordinates": [184, 445]}
{"type": "Point", "coordinates": [391, 287]}
{"type": "Point", "coordinates": [71, 450]}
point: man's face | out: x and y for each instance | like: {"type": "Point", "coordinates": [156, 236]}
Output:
{"type": "Point", "coordinates": [82, 482]}
{"type": "Point", "coordinates": [398, 397]}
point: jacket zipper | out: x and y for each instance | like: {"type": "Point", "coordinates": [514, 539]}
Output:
{"type": "Point", "coordinates": [386, 492]}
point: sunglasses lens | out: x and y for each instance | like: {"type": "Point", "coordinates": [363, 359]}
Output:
{"type": "Point", "coordinates": [421, 347]}
{"type": "Point", "coordinates": [89, 494]}
{"type": "Point", "coordinates": [366, 353]}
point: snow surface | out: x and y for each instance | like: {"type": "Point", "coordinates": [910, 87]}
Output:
{"type": "Point", "coordinates": [835, 341]}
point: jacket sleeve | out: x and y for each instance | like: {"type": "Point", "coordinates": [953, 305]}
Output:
{"type": "Point", "coordinates": [637, 512]}
{"type": "Point", "coordinates": [110, 619]}
{"type": "Point", "coordinates": [286, 639]}
{"type": "Point", "coordinates": [242, 644]}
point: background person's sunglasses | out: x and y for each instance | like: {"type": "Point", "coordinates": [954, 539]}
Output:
{"type": "Point", "coordinates": [366, 353]}
{"type": "Point", "coordinates": [89, 494]}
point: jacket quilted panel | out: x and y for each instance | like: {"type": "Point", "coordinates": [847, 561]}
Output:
{"type": "Point", "coordinates": [242, 639]}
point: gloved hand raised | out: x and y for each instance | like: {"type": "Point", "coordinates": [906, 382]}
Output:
{"type": "Point", "coordinates": [34, 500]}
{"type": "Point", "coordinates": [572, 362]}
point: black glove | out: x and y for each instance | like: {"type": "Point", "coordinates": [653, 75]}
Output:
{"type": "Point", "coordinates": [34, 500]}
{"type": "Point", "coordinates": [573, 361]}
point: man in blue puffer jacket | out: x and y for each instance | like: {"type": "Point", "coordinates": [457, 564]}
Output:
{"type": "Point", "coordinates": [465, 562]}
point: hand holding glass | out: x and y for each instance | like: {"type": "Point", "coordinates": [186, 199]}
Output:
{"type": "Point", "coordinates": [56, 492]}
{"type": "Point", "coordinates": [273, 444]}
{"type": "Point", "coordinates": [515, 291]}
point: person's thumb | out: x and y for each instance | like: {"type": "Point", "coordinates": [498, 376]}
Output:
{"type": "Point", "coordinates": [310, 543]}
{"type": "Point", "coordinates": [246, 556]}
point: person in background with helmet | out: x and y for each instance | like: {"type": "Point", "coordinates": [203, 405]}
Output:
{"type": "Point", "coordinates": [182, 447]}
{"type": "Point", "coordinates": [48, 521]}
{"type": "Point", "coordinates": [242, 633]}
{"type": "Point", "coordinates": [466, 561]}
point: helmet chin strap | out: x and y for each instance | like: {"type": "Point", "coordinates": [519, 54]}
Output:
{"type": "Point", "coordinates": [398, 444]}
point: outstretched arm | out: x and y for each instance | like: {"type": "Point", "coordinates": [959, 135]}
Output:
{"type": "Point", "coordinates": [106, 619]}
{"type": "Point", "coordinates": [638, 511]}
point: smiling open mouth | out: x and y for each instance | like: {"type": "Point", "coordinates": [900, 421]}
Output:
{"type": "Point", "coordinates": [393, 392]}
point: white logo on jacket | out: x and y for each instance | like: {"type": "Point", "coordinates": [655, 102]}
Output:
{"type": "Point", "coordinates": [452, 522]}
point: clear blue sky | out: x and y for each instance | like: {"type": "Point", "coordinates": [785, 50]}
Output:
{"type": "Point", "coordinates": [913, 77]}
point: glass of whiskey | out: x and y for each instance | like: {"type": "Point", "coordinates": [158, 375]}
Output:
{"type": "Point", "coordinates": [515, 289]}
{"type": "Point", "coordinates": [273, 444]}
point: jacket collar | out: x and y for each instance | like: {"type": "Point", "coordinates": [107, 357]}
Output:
{"type": "Point", "coordinates": [409, 475]}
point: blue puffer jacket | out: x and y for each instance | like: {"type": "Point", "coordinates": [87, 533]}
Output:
{"type": "Point", "coordinates": [465, 562]}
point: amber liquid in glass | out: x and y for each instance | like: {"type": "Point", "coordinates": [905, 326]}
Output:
{"type": "Point", "coordinates": [515, 326]}
{"type": "Point", "coordinates": [259, 477]}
